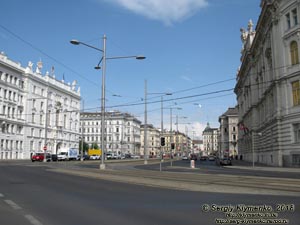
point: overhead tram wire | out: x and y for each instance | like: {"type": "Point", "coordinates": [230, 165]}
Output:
{"type": "Point", "coordinates": [172, 99]}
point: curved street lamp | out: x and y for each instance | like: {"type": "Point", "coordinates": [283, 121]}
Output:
{"type": "Point", "coordinates": [103, 61]}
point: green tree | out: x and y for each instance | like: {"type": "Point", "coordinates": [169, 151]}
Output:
{"type": "Point", "coordinates": [95, 146]}
{"type": "Point", "coordinates": [85, 147]}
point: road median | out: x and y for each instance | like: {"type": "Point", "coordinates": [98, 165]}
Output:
{"type": "Point", "coordinates": [191, 182]}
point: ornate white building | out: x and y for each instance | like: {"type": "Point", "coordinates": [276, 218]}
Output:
{"type": "Point", "coordinates": [30, 103]}
{"type": "Point", "coordinates": [268, 86]}
{"type": "Point", "coordinates": [210, 140]}
{"type": "Point", "coordinates": [122, 131]}
{"type": "Point", "coordinates": [229, 133]}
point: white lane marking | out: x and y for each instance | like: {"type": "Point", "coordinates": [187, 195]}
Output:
{"type": "Point", "coordinates": [1, 195]}
{"type": "Point", "coordinates": [33, 220]}
{"type": "Point", "coordinates": [12, 204]}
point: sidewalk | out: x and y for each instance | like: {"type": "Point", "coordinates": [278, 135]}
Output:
{"type": "Point", "coordinates": [241, 164]}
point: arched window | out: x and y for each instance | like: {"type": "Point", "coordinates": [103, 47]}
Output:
{"type": "Point", "coordinates": [294, 53]}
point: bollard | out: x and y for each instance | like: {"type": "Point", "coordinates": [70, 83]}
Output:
{"type": "Point", "coordinates": [193, 164]}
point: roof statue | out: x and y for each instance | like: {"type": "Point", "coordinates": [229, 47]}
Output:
{"type": "Point", "coordinates": [39, 67]}
{"type": "Point", "coordinates": [250, 26]}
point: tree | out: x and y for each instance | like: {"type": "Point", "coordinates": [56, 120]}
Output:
{"type": "Point", "coordinates": [95, 146]}
{"type": "Point", "coordinates": [85, 147]}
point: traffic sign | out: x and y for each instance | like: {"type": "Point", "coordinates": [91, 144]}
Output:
{"type": "Point", "coordinates": [45, 148]}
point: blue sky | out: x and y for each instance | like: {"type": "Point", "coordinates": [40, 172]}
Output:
{"type": "Point", "coordinates": [192, 49]}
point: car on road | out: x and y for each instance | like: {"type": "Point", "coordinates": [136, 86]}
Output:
{"type": "Point", "coordinates": [40, 157]}
{"type": "Point", "coordinates": [135, 157]}
{"type": "Point", "coordinates": [226, 161]}
{"type": "Point", "coordinates": [193, 157]}
{"type": "Point", "coordinates": [184, 157]}
{"type": "Point", "coordinates": [203, 158]}
{"type": "Point", "coordinates": [211, 158]}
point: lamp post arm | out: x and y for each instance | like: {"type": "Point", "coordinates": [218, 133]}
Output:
{"type": "Point", "coordinates": [90, 46]}
{"type": "Point", "coordinates": [125, 57]}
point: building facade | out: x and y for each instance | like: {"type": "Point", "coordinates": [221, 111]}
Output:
{"type": "Point", "coordinates": [122, 131]}
{"type": "Point", "coordinates": [228, 145]}
{"type": "Point", "coordinates": [37, 111]}
{"type": "Point", "coordinates": [181, 143]}
{"type": "Point", "coordinates": [268, 86]}
{"type": "Point", "coordinates": [153, 148]}
{"type": "Point", "coordinates": [210, 140]}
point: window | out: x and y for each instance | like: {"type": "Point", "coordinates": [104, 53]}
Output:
{"type": "Point", "coordinates": [65, 121]}
{"type": "Point", "coordinates": [288, 21]}
{"type": "Point", "coordinates": [296, 93]}
{"type": "Point", "coordinates": [295, 17]}
{"type": "Point", "coordinates": [294, 53]}
{"type": "Point", "coordinates": [31, 145]}
{"type": "Point", "coordinates": [296, 128]}
{"type": "Point", "coordinates": [32, 118]}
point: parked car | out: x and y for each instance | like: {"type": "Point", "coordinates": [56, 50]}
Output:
{"type": "Point", "coordinates": [126, 156]}
{"type": "Point", "coordinates": [95, 157]}
{"type": "Point", "coordinates": [54, 157]}
{"type": "Point", "coordinates": [86, 157]}
{"type": "Point", "coordinates": [108, 156]}
{"type": "Point", "coordinates": [40, 157]}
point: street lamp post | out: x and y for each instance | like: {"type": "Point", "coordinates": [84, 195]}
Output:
{"type": "Point", "coordinates": [145, 123]}
{"type": "Point", "coordinates": [171, 132]}
{"type": "Point", "coordinates": [82, 132]}
{"type": "Point", "coordinates": [103, 60]}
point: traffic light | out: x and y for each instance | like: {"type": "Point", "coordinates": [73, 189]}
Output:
{"type": "Point", "coordinates": [162, 141]}
{"type": "Point", "coordinates": [172, 146]}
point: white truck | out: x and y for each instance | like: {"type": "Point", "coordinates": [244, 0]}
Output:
{"type": "Point", "coordinates": [67, 154]}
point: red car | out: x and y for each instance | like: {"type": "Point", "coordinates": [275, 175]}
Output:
{"type": "Point", "coordinates": [40, 157]}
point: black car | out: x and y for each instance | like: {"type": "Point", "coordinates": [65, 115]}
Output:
{"type": "Point", "coordinates": [54, 157]}
{"type": "Point", "coordinates": [193, 157]}
{"type": "Point", "coordinates": [86, 157]}
{"type": "Point", "coordinates": [226, 161]}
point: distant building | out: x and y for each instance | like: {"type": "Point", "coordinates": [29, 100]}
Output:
{"type": "Point", "coordinates": [37, 111]}
{"type": "Point", "coordinates": [268, 86]}
{"type": "Point", "coordinates": [122, 131]}
{"type": "Point", "coordinates": [210, 140]}
{"type": "Point", "coordinates": [153, 141]}
{"type": "Point", "coordinates": [229, 133]}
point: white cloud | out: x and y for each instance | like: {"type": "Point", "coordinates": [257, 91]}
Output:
{"type": "Point", "coordinates": [167, 11]}
{"type": "Point", "coordinates": [186, 78]}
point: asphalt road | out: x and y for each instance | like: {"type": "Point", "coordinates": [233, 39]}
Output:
{"type": "Point", "coordinates": [203, 167]}
{"type": "Point", "coordinates": [34, 195]}
{"type": "Point", "coordinates": [210, 167]}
